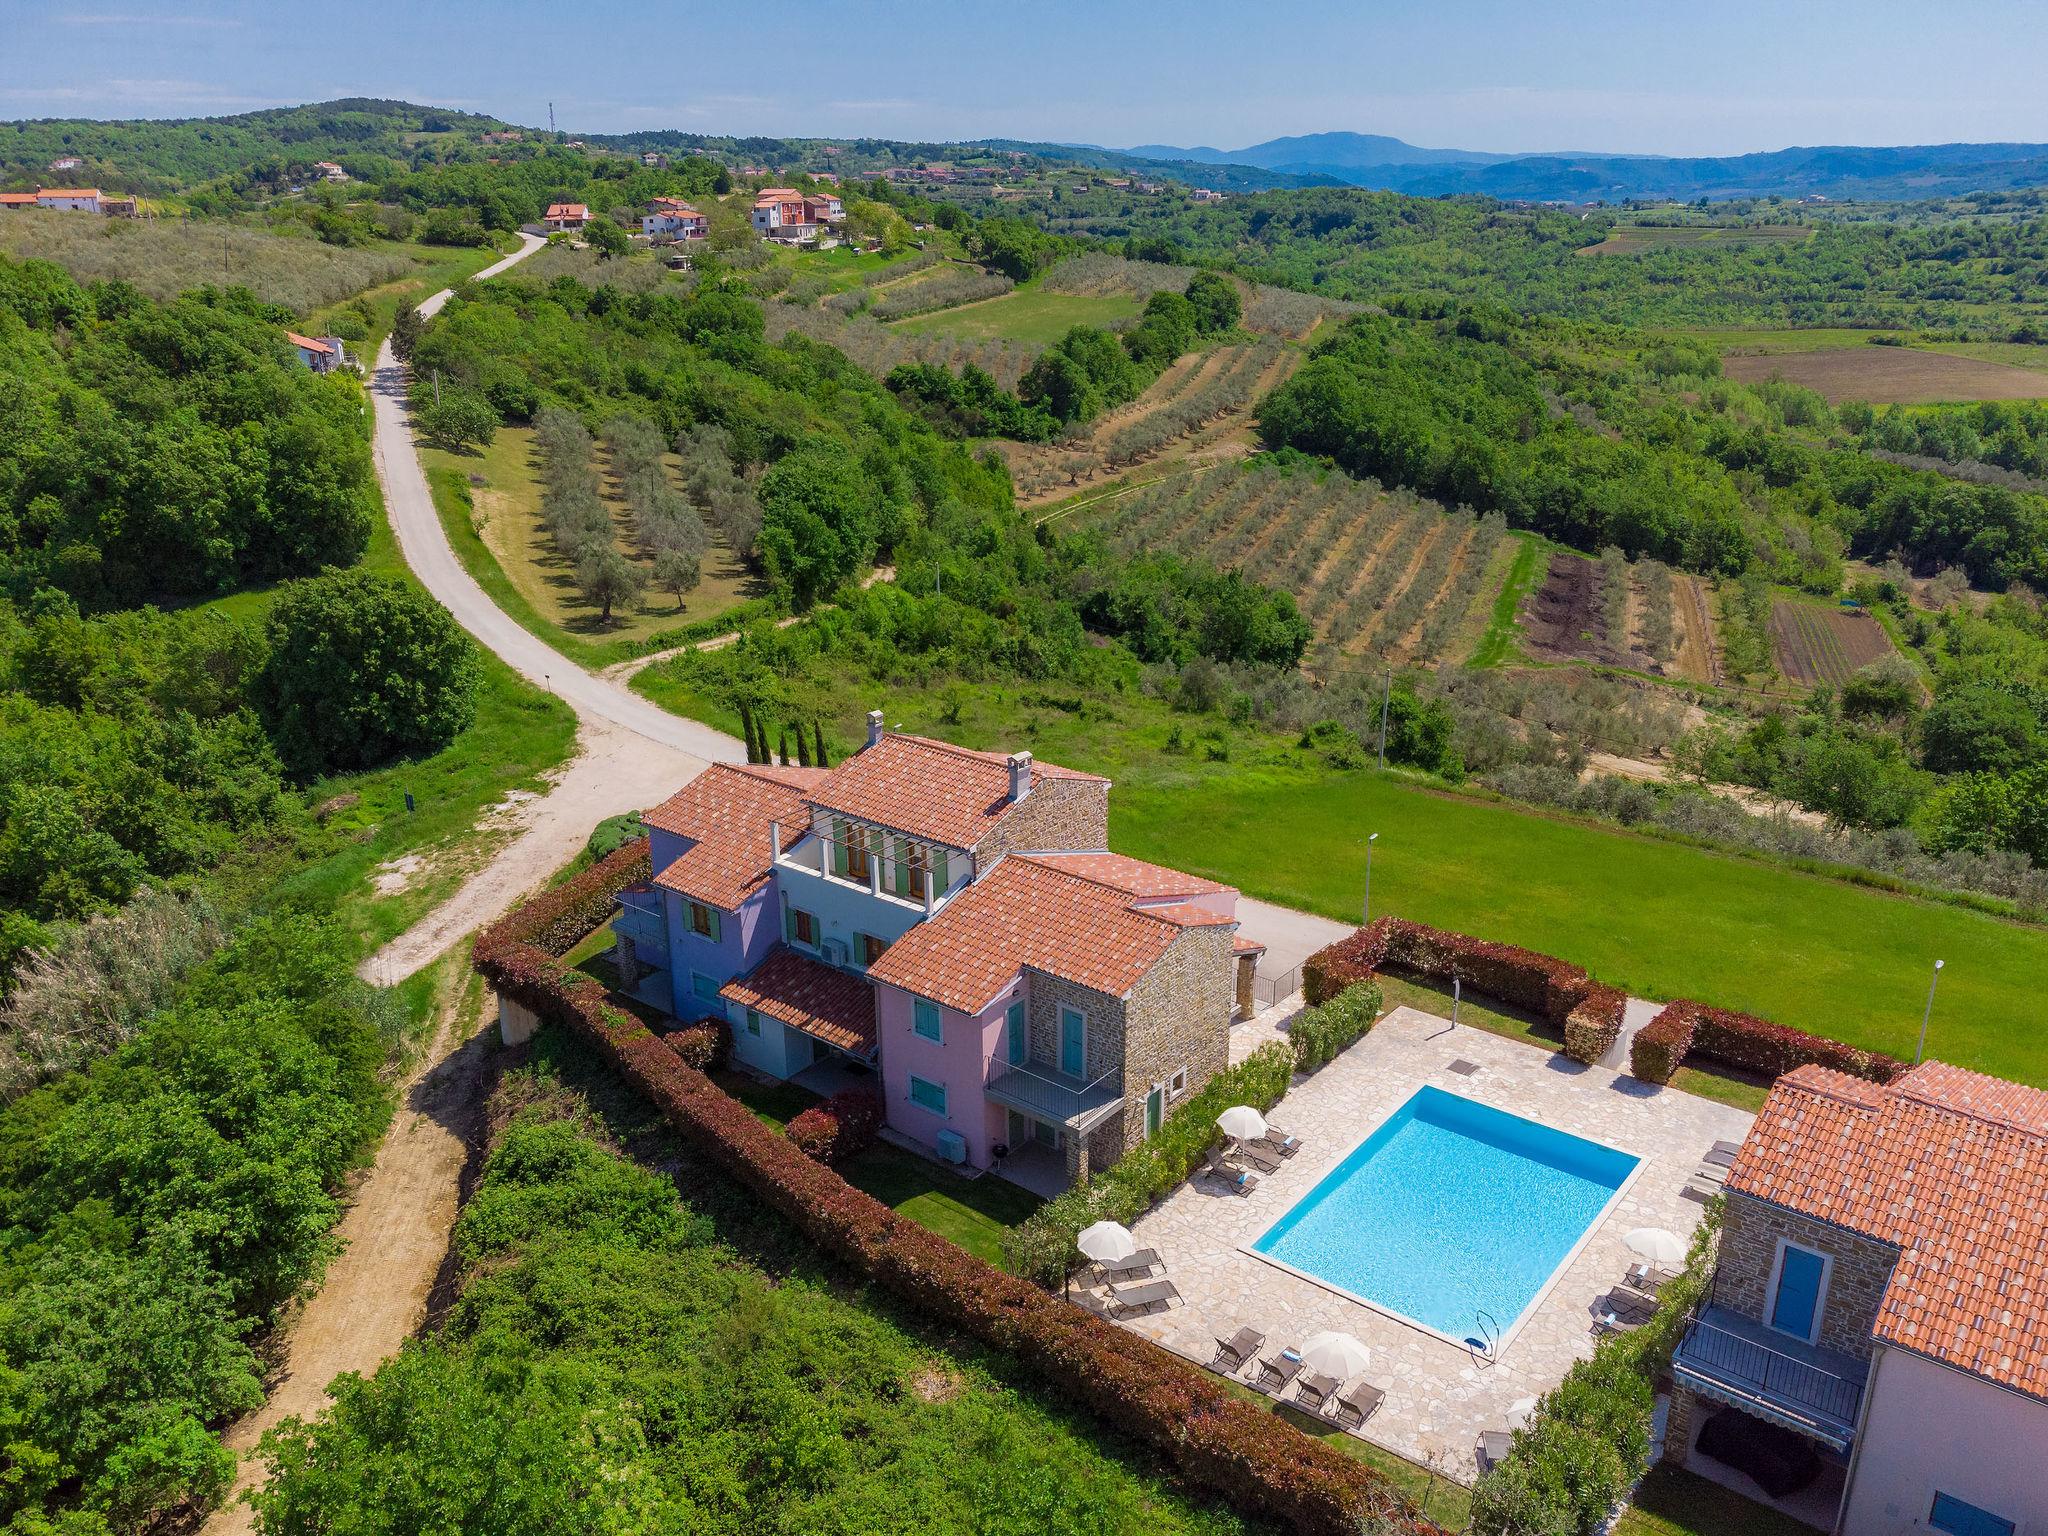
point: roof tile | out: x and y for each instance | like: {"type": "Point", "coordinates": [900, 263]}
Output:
{"type": "Point", "coordinates": [726, 812]}
{"type": "Point", "coordinates": [834, 1005]}
{"type": "Point", "coordinates": [932, 789]}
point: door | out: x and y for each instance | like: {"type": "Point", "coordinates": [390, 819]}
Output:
{"type": "Point", "coordinates": [1155, 1107]}
{"type": "Point", "coordinates": [1013, 1027]}
{"type": "Point", "coordinates": [1047, 1136]}
{"type": "Point", "coordinates": [1796, 1305]}
{"type": "Point", "coordinates": [1073, 1042]}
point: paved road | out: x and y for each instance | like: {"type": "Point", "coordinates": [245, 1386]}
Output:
{"type": "Point", "coordinates": [426, 550]}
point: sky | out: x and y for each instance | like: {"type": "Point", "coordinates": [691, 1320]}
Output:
{"type": "Point", "coordinates": [1702, 77]}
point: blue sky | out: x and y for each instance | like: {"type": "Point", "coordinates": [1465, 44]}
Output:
{"type": "Point", "coordinates": [1650, 76]}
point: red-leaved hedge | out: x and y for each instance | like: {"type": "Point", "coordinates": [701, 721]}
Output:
{"type": "Point", "coordinates": [842, 1125]}
{"type": "Point", "coordinates": [1595, 1024]}
{"type": "Point", "coordinates": [702, 1045]}
{"type": "Point", "coordinates": [1541, 984]}
{"type": "Point", "coordinates": [1757, 1045]}
{"type": "Point", "coordinates": [1659, 1047]}
{"type": "Point", "coordinates": [1218, 1445]}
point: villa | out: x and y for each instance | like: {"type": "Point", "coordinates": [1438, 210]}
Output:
{"type": "Point", "coordinates": [322, 354]}
{"type": "Point", "coordinates": [783, 213]}
{"type": "Point", "coordinates": [951, 922]}
{"type": "Point", "coordinates": [566, 216]}
{"type": "Point", "coordinates": [670, 218]}
{"type": "Point", "coordinates": [1879, 1291]}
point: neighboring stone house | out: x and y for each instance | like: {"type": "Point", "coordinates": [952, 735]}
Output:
{"type": "Point", "coordinates": [1882, 1289]}
{"type": "Point", "coordinates": [69, 199]}
{"type": "Point", "coordinates": [566, 216]}
{"type": "Point", "coordinates": [950, 919]}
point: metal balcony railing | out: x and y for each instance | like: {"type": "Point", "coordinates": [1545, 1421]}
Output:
{"type": "Point", "coordinates": [1770, 1374]}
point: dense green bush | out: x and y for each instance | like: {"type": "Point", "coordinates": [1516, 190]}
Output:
{"type": "Point", "coordinates": [1321, 1033]}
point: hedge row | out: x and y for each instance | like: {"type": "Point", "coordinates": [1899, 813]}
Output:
{"type": "Point", "coordinates": [848, 1122]}
{"type": "Point", "coordinates": [702, 1045]}
{"type": "Point", "coordinates": [1588, 1011]}
{"type": "Point", "coordinates": [1218, 1445]}
{"type": "Point", "coordinates": [1743, 1041]}
{"type": "Point", "coordinates": [1042, 1246]}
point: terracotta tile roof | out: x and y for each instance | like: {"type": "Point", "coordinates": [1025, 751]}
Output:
{"type": "Point", "coordinates": [68, 192]}
{"type": "Point", "coordinates": [1948, 1166]}
{"type": "Point", "coordinates": [568, 210]}
{"type": "Point", "coordinates": [930, 789]}
{"type": "Point", "coordinates": [17, 199]}
{"type": "Point", "coordinates": [1132, 876]}
{"type": "Point", "coordinates": [1240, 945]}
{"type": "Point", "coordinates": [308, 342]}
{"type": "Point", "coordinates": [726, 812]}
{"type": "Point", "coordinates": [834, 1005]}
{"type": "Point", "coordinates": [1026, 913]}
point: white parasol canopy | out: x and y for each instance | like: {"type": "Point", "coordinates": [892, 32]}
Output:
{"type": "Point", "coordinates": [1106, 1242]}
{"type": "Point", "coordinates": [1657, 1245]}
{"type": "Point", "coordinates": [1243, 1122]}
{"type": "Point", "coordinates": [1335, 1354]}
{"type": "Point", "coordinates": [1519, 1412]}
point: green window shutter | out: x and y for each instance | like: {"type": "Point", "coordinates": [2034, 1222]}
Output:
{"type": "Point", "coordinates": [716, 918]}
{"type": "Point", "coordinates": [841, 835]}
{"type": "Point", "coordinates": [938, 871]}
{"type": "Point", "coordinates": [789, 924]}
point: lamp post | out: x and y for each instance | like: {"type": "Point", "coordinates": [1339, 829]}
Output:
{"type": "Point", "coordinates": [1370, 840]}
{"type": "Point", "coordinates": [1927, 1013]}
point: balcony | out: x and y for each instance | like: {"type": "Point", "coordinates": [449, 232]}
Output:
{"type": "Point", "coordinates": [1044, 1094]}
{"type": "Point", "coordinates": [810, 858]}
{"type": "Point", "coordinates": [640, 919]}
{"type": "Point", "coordinates": [1736, 1360]}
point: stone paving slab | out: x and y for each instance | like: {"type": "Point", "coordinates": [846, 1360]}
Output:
{"type": "Point", "coordinates": [1439, 1395]}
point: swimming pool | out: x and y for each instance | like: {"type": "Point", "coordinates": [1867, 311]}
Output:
{"type": "Point", "coordinates": [1451, 1214]}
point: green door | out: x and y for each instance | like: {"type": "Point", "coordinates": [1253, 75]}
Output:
{"type": "Point", "coordinates": [1155, 1107]}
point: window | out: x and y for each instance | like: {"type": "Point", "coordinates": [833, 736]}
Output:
{"type": "Point", "coordinates": [1019, 1039]}
{"type": "Point", "coordinates": [753, 1022]}
{"type": "Point", "coordinates": [850, 855]}
{"type": "Point", "coordinates": [925, 1022]}
{"type": "Point", "coordinates": [1799, 1284]}
{"type": "Point", "coordinates": [1177, 1084]}
{"type": "Point", "coordinates": [928, 1095]}
{"type": "Point", "coordinates": [703, 988]}
{"type": "Point", "coordinates": [803, 928]}
{"type": "Point", "coordinates": [1073, 1042]}
{"type": "Point", "coordinates": [1951, 1514]}
{"type": "Point", "coordinates": [870, 949]}
{"type": "Point", "coordinates": [703, 921]}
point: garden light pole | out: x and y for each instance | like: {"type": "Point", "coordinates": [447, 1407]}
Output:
{"type": "Point", "coordinates": [1375, 837]}
{"type": "Point", "coordinates": [1386, 694]}
{"type": "Point", "coordinates": [1927, 1013]}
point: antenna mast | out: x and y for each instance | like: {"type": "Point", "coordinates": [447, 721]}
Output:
{"type": "Point", "coordinates": [551, 117]}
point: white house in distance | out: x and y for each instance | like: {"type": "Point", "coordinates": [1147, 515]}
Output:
{"type": "Point", "coordinates": [69, 199]}
{"type": "Point", "coordinates": [783, 213]}
{"type": "Point", "coordinates": [322, 354]}
{"type": "Point", "coordinates": [670, 218]}
{"type": "Point", "coordinates": [65, 163]}
{"type": "Point", "coordinates": [329, 171]}
{"type": "Point", "coordinates": [566, 216]}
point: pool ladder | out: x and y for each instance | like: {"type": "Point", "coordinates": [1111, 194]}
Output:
{"type": "Point", "coordinates": [1486, 1342]}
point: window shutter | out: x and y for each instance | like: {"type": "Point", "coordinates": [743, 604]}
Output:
{"type": "Point", "coordinates": [838, 847]}
{"type": "Point", "coordinates": [789, 924]}
{"type": "Point", "coordinates": [938, 871]}
{"type": "Point", "coordinates": [716, 917]}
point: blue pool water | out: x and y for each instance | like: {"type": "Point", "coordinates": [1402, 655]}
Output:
{"type": "Point", "coordinates": [1451, 1208]}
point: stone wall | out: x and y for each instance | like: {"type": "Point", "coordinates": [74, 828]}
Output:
{"type": "Point", "coordinates": [1862, 1268]}
{"type": "Point", "coordinates": [1068, 814]}
{"type": "Point", "coordinates": [1104, 1052]}
{"type": "Point", "coordinates": [1178, 1017]}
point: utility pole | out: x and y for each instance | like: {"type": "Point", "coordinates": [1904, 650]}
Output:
{"type": "Point", "coordinates": [437, 386]}
{"type": "Point", "coordinates": [551, 117]}
{"type": "Point", "coordinates": [1375, 837]}
{"type": "Point", "coordinates": [1927, 1013]}
{"type": "Point", "coordinates": [1386, 695]}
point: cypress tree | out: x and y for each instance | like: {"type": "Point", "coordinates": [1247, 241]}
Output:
{"type": "Point", "coordinates": [747, 730]}
{"type": "Point", "coordinates": [818, 757]}
{"type": "Point", "coordinates": [803, 748]}
{"type": "Point", "coordinates": [782, 740]}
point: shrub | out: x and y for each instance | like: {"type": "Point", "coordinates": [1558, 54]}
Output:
{"type": "Point", "coordinates": [1757, 1045]}
{"type": "Point", "coordinates": [1595, 1024]}
{"type": "Point", "coordinates": [1659, 1046]}
{"type": "Point", "coordinates": [1216, 1443]}
{"type": "Point", "coordinates": [845, 1124]}
{"type": "Point", "coordinates": [1321, 1033]}
{"type": "Point", "coordinates": [1350, 960]}
{"type": "Point", "coordinates": [702, 1045]}
{"type": "Point", "coordinates": [1538, 983]}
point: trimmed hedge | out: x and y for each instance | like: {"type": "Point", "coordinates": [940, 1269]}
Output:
{"type": "Point", "coordinates": [1537, 983]}
{"type": "Point", "coordinates": [1322, 1034]}
{"type": "Point", "coordinates": [848, 1122]}
{"type": "Point", "coordinates": [1747, 1043]}
{"type": "Point", "coordinates": [1217, 1444]}
{"type": "Point", "coordinates": [1595, 1024]}
{"type": "Point", "coordinates": [1660, 1045]}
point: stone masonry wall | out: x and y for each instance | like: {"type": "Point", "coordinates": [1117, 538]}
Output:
{"type": "Point", "coordinates": [1104, 1050]}
{"type": "Point", "coordinates": [1862, 1268]}
{"type": "Point", "coordinates": [1068, 814]}
{"type": "Point", "coordinates": [1178, 1016]}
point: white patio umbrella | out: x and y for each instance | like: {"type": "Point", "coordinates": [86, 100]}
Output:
{"type": "Point", "coordinates": [1335, 1354]}
{"type": "Point", "coordinates": [1519, 1411]}
{"type": "Point", "coordinates": [1656, 1245]}
{"type": "Point", "coordinates": [1243, 1122]}
{"type": "Point", "coordinates": [1106, 1242]}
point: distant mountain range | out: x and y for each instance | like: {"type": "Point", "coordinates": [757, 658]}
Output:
{"type": "Point", "coordinates": [1836, 171]}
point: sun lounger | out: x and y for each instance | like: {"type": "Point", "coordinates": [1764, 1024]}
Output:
{"type": "Point", "coordinates": [1649, 1277]}
{"type": "Point", "coordinates": [1357, 1403]}
{"type": "Point", "coordinates": [1494, 1445]}
{"type": "Point", "coordinates": [1257, 1156]}
{"type": "Point", "coordinates": [1278, 1144]}
{"type": "Point", "coordinates": [1723, 1153]}
{"type": "Point", "coordinates": [1088, 1301]}
{"type": "Point", "coordinates": [1619, 1319]}
{"type": "Point", "coordinates": [1139, 1264]}
{"type": "Point", "coordinates": [1233, 1352]}
{"type": "Point", "coordinates": [1315, 1391]}
{"type": "Point", "coordinates": [1626, 1298]}
{"type": "Point", "coordinates": [1240, 1181]}
{"type": "Point", "coordinates": [1275, 1374]}
{"type": "Point", "coordinates": [1126, 1299]}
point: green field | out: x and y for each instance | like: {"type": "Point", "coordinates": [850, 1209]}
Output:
{"type": "Point", "coordinates": [1028, 315]}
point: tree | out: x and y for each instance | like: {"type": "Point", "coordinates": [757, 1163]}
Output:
{"type": "Point", "coordinates": [677, 572]}
{"type": "Point", "coordinates": [606, 577]}
{"type": "Point", "coordinates": [1215, 302]}
{"type": "Point", "coordinates": [607, 239]}
{"type": "Point", "coordinates": [818, 523]}
{"type": "Point", "coordinates": [363, 668]}
{"type": "Point", "coordinates": [459, 419]}
{"type": "Point", "coordinates": [1980, 726]}
{"type": "Point", "coordinates": [819, 756]}
{"type": "Point", "coordinates": [405, 331]}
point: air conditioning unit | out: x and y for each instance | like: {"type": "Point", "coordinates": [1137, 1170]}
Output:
{"type": "Point", "coordinates": [952, 1146]}
{"type": "Point", "coordinates": [835, 951]}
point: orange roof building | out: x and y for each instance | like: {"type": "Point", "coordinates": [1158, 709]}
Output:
{"type": "Point", "coordinates": [952, 918]}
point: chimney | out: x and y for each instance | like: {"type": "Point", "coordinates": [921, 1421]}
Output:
{"type": "Point", "coordinates": [874, 726]}
{"type": "Point", "coordinates": [1020, 776]}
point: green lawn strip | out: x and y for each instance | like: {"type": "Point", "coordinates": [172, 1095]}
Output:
{"type": "Point", "coordinates": [970, 1212]}
{"type": "Point", "coordinates": [1498, 643]}
{"type": "Point", "coordinates": [1031, 315]}
{"type": "Point", "coordinates": [1675, 1502]}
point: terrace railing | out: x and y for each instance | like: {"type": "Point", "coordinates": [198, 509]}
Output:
{"type": "Point", "coordinates": [1768, 1374]}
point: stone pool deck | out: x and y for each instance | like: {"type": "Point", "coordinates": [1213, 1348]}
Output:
{"type": "Point", "coordinates": [1439, 1395]}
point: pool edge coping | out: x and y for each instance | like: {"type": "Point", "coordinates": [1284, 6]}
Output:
{"type": "Point", "coordinates": [1542, 1292]}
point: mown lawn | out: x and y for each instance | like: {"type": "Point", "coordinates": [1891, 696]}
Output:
{"type": "Point", "coordinates": [1028, 315]}
{"type": "Point", "coordinates": [1674, 1502]}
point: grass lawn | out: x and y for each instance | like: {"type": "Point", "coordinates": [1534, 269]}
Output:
{"type": "Point", "coordinates": [1498, 643]}
{"type": "Point", "coordinates": [1028, 315]}
{"type": "Point", "coordinates": [969, 1212]}
{"type": "Point", "coordinates": [1660, 917]}
{"type": "Point", "coordinates": [434, 267]}
{"type": "Point", "coordinates": [1674, 1502]}
{"type": "Point", "coordinates": [503, 544]}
